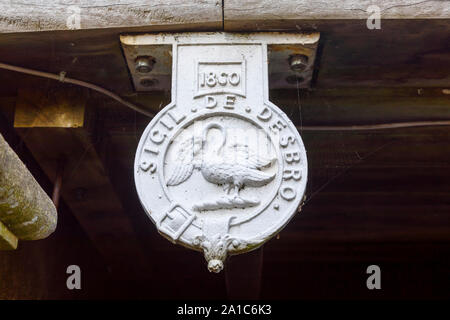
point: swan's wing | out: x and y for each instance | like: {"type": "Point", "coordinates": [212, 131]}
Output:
{"type": "Point", "coordinates": [259, 160]}
{"type": "Point", "coordinates": [181, 173]}
{"type": "Point", "coordinates": [183, 163]}
{"type": "Point", "coordinates": [242, 154]}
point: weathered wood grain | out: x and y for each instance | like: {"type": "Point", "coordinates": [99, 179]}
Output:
{"type": "Point", "coordinates": [44, 15]}
{"type": "Point", "coordinates": [236, 10]}
{"type": "Point", "coordinates": [25, 209]}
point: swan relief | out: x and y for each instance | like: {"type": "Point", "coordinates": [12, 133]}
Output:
{"type": "Point", "coordinates": [233, 166]}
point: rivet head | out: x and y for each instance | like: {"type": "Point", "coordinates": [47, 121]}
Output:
{"type": "Point", "coordinates": [248, 109]}
{"type": "Point", "coordinates": [144, 64]}
{"type": "Point", "coordinates": [298, 62]}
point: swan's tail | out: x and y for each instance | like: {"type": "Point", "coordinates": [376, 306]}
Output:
{"type": "Point", "coordinates": [256, 178]}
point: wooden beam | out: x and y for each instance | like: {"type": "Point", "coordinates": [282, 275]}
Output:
{"type": "Point", "coordinates": [8, 241]}
{"type": "Point", "coordinates": [351, 106]}
{"type": "Point", "coordinates": [248, 13]}
{"type": "Point", "coordinates": [86, 186]}
{"type": "Point", "coordinates": [404, 53]}
{"type": "Point", "coordinates": [60, 109]}
{"type": "Point", "coordinates": [25, 209]}
{"type": "Point", "coordinates": [43, 15]}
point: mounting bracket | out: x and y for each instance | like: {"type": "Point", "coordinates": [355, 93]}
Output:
{"type": "Point", "coordinates": [220, 169]}
{"type": "Point", "coordinates": [291, 57]}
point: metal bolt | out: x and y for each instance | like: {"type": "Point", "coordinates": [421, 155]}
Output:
{"type": "Point", "coordinates": [144, 64]}
{"type": "Point", "coordinates": [298, 62]}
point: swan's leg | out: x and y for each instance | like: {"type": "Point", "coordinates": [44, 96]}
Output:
{"type": "Point", "coordinates": [236, 191]}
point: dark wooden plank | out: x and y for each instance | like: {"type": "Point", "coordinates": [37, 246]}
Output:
{"type": "Point", "coordinates": [404, 53]}
{"type": "Point", "coordinates": [87, 189]}
{"type": "Point", "coordinates": [244, 274]}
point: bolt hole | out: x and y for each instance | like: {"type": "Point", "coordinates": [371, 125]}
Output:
{"type": "Point", "coordinates": [294, 79]}
{"type": "Point", "coordinates": [147, 82]}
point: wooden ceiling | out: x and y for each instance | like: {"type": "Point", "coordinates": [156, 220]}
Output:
{"type": "Point", "coordinates": [373, 197]}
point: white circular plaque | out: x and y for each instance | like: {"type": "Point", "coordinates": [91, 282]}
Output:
{"type": "Point", "coordinates": [220, 169]}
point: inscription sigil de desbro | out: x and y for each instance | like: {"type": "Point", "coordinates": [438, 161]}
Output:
{"type": "Point", "coordinates": [221, 169]}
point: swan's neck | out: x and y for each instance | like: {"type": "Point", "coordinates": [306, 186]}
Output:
{"type": "Point", "coordinates": [224, 137]}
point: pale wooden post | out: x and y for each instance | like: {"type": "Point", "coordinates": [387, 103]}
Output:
{"type": "Point", "coordinates": [26, 212]}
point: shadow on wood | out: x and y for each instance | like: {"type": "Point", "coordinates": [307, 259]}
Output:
{"type": "Point", "coordinates": [243, 274]}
